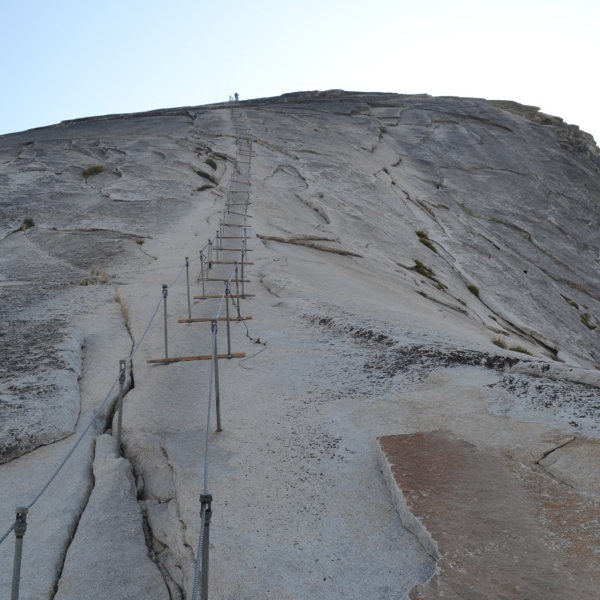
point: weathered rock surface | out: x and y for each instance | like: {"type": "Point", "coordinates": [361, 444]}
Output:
{"type": "Point", "coordinates": [39, 394]}
{"type": "Point", "coordinates": [502, 530]}
{"type": "Point", "coordinates": [348, 192]}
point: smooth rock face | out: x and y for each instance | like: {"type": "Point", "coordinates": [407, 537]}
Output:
{"type": "Point", "coordinates": [348, 192]}
{"type": "Point", "coordinates": [502, 530]}
{"type": "Point", "coordinates": [120, 566]}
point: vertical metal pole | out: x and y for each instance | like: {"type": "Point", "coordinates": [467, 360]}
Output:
{"type": "Point", "coordinates": [206, 500]}
{"type": "Point", "coordinates": [165, 293]}
{"type": "Point", "coordinates": [215, 360]}
{"type": "Point", "coordinates": [120, 419]}
{"type": "Point", "coordinates": [227, 294]}
{"type": "Point", "coordinates": [243, 259]}
{"type": "Point", "coordinates": [218, 245]}
{"type": "Point", "coordinates": [209, 254]}
{"type": "Point", "coordinates": [20, 529]}
{"type": "Point", "coordinates": [221, 227]}
{"type": "Point", "coordinates": [244, 243]}
{"type": "Point", "coordinates": [202, 272]}
{"type": "Point", "coordinates": [237, 293]}
{"type": "Point", "coordinates": [187, 274]}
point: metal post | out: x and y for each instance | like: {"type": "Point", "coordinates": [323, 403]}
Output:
{"type": "Point", "coordinates": [237, 293]}
{"type": "Point", "coordinates": [206, 500]}
{"type": "Point", "coordinates": [165, 293]}
{"type": "Point", "coordinates": [20, 529]}
{"type": "Point", "coordinates": [215, 360]}
{"type": "Point", "coordinates": [218, 245]}
{"type": "Point", "coordinates": [243, 259]}
{"type": "Point", "coordinates": [209, 254]}
{"type": "Point", "coordinates": [187, 274]}
{"type": "Point", "coordinates": [120, 419]}
{"type": "Point", "coordinates": [221, 227]}
{"type": "Point", "coordinates": [202, 272]}
{"type": "Point", "coordinates": [244, 241]}
{"type": "Point", "coordinates": [227, 294]}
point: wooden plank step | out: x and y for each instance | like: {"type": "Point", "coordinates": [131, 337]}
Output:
{"type": "Point", "coordinates": [223, 279]}
{"type": "Point", "coordinates": [221, 296]}
{"type": "Point", "coordinates": [186, 358]}
{"type": "Point", "coordinates": [231, 212]}
{"type": "Point", "coordinates": [229, 262]}
{"type": "Point", "coordinates": [209, 319]}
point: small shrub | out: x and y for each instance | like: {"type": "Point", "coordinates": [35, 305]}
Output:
{"type": "Point", "coordinates": [427, 272]}
{"type": "Point", "coordinates": [96, 276]}
{"type": "Point", "coordinates": [500, 342]}
{"type": "Point", "coordinates": [211, 163]}
{"type": "Point", "coordinates": [520, 349]}
{"type": "Point", "coordinates": [205, 175]}
{"type": "Point", "coordinates": [95, 170]}
{"type": "Point", "coordinates": [424, 239]}
{"type": "Point", "coordinates": [27, 223]}
{"type": "Point", "coordinates": [140, 241]}
{"type": "Point", "coordinates": [473, 289]}
{"type": "Point", "coordinates": [572, 302]}
{"type": "Point", "coordinates": [587, 321]}
{"type": "Point", "coordinates": [427, 242]}
{"type": "Point", "coordinates": [205, 187]}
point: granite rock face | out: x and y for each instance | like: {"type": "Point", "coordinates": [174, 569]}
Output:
{"type": "Point", "coordinates": [112, 514]}
{"type": "Point", "coordinates": [417, 264]}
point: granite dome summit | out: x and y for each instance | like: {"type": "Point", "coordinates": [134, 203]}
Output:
{"type": "Point", "coordinates": [425, 277]}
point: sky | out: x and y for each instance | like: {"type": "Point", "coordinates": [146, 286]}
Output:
{"type": "Point", "coordinates": [66, 59]}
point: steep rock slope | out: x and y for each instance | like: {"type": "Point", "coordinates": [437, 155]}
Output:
{"type": "Point", "coordinates": [372, 215]}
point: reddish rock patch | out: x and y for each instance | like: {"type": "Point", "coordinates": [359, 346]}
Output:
{"type": "Point", "coordinates": [503, 531]}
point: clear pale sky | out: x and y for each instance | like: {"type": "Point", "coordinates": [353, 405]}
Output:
{"type": "Point", "coordinates": [64, 59]}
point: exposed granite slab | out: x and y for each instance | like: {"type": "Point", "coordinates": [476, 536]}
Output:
{"type": "Point", "coordinates": [108, 556]}
{"type": "Point", "coordinates": [502, 530]}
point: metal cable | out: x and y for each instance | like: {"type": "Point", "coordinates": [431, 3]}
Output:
{"type": "Point", "coordinates": [223, 294]}
{"type": "Point", "coordinates": [137, 346]}
{"type": "Point", "coordinates": [252, 355]}
{"type": "Point", "coordinates": [176, 278]}
{"type": "Point", "coordinates": [66, 458]}
{"type": "Point", "coordinates": [8, 532]}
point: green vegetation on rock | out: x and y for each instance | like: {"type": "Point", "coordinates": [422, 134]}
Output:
{"type": "Point", "coordinates": [27, 223]}
{"type": "Point", "coordinates": [94, 170]}
{"type": "Point", "coordinates": [424, 239]}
